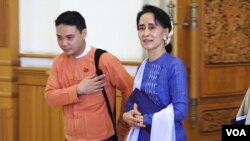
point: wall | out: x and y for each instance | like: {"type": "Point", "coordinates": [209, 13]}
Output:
{"type": "Point", "coordinates": [111, 25]}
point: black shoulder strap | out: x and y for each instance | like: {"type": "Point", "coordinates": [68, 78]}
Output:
{"type": "Point", "coordinates": [98, 54]}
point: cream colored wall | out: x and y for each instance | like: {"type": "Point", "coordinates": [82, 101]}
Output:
{"type": "Point", "coordinates": [111, 25]}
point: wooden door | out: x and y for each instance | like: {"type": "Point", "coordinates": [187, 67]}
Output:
{"type": "Point", "coordinates": [216, 51]}
{"type": "Point", "coordinates": [8, 61]}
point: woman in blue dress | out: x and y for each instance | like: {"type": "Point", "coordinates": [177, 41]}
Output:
{"type": "Point", "coordinates": [161, 81]}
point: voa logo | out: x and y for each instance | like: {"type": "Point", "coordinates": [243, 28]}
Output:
{"type": "Point", "coordinates": [236, 132]}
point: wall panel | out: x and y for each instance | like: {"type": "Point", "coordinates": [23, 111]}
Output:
{"type": "Point", "coordinates": [3, 23]}
{"type": "Point", "coordinates": [225, 80]}
{"type": "Point", "coordinates": [8, 119]}
{"type": "Point", "coordinates": [37, 121]}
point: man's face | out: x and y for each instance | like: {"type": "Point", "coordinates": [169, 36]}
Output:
{"type": "Point", "coordinates": [70, 39]}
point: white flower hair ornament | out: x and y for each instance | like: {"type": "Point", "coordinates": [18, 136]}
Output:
{"type": "Point", "coordinates": [168, 38]}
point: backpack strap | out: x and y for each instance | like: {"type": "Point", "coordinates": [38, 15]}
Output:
{"type": "Point", "coordinates": [98, 54]}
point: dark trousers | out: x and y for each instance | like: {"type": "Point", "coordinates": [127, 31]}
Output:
{"type": "Point", "coordinates": [112, 138]}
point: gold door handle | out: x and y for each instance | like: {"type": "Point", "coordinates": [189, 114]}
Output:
{"type": "Point", "coordinates": [171, 11]}
{"type": "Point", "coordinates": [185, 24]}
{"type": "Point", "coordinates": [193, 17]}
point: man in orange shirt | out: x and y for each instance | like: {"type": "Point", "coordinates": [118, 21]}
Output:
{"type": "Point", "coordinates": [74, 86]}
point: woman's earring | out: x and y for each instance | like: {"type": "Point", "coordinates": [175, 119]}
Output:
{"type": "Point", "coordinates": [168, 38]}
{"type": "Point", "coordinates": [164, 38]}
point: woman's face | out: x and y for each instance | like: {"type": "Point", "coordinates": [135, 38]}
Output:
{"type": "Point", "coordinates": [151, 34]}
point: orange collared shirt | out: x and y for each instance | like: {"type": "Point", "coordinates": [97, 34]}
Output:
{"type": "Point", "coordinates": [85, 117]}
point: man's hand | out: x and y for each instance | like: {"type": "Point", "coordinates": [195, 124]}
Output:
{"type": "Point", "coordinates": [91, 84]}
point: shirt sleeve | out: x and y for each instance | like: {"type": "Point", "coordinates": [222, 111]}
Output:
{"type": "Point", "coordinates": [122, 81]}
{"type": "Point", "coordinates": [55, 95]}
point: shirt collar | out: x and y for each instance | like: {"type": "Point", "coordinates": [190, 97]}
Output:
{"type": "Point", "coordinates": [86, 51]}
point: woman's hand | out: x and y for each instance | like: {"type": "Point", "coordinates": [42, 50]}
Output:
{"type": "Point", "coordinates": [133, 117]}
